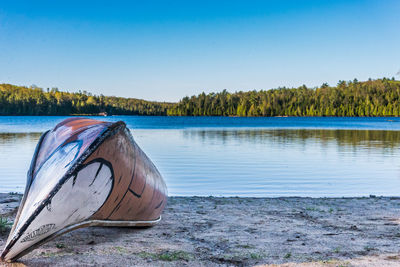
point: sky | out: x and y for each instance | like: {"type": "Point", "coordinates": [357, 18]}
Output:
{"type": "Point", "coordinates": [165, 50]}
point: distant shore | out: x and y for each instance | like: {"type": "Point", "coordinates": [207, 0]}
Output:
{"type": "Point", "coordinates": [372, 98]}
{"type": "Point", "coordinates": [211, 231]}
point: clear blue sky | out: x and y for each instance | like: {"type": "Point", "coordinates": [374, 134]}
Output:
{"type": "Point", "coordinates": [164, 50]}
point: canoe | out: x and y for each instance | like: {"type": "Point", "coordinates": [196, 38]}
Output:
{"type": "Point", "coordinates": [85, 172]}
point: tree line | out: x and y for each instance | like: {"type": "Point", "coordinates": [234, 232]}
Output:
{"type": "Point", "coordinates": [19, 100]}
{"type": "Point", "coordinates": [379, 97]}
{"type": "Point", "coordinates": [349, 98]}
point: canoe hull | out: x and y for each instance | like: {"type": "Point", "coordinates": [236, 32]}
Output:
{"type": "Point", "coordinates": [84, 173]}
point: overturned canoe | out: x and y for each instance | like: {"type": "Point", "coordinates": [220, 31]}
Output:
{"type": "Point", "coordinates": [85, 172]}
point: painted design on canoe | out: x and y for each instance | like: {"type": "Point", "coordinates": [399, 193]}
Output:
{"type": "Point", "coordinates": [85, 172]}
{"type": "Point", "coordinates": [38, 232]}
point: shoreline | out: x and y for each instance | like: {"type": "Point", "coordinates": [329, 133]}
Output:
{"type": "Point", "coordinates": [189, 116]}
{"type": "Point", "coordinates": [226, 231]}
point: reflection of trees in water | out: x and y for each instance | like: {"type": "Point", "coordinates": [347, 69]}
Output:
{"type": "Point", "coordinates": [369, 139]}
{"type": "Point", "coordinates": [6, 138]}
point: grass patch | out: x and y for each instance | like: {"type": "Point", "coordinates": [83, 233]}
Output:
{"type": "Point", "coordinates": [336, 250]}
{"type": "Point", "coordinates": [147, 255]}
{"type": "Point", "coordinates": [167, 255]}
{"type": "Point", "coordinates": [121, 250]}
{"type": "Point", "coordinates": [60, 245]}
{"type": "Point", "coordinates": [248, 246]}
{"type": "Point", "coordinates": [287, 256]}
{"type": "Point", "coordinates": [49, 254]}
{"type": "Point", "coordinates": [174, 255]}
{"type": "Point", "coordinates": [5, 224]}
{"type": "Point", "coordinates": [256, 256]}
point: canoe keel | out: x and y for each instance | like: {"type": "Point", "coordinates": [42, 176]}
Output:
{"type": "Point", "coordinates": [85, 173]}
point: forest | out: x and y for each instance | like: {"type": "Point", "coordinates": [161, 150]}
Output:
{"type": "Point", "coordinates": [379, 97]}
{"type": "Point", "coordinates": [348, 98]}
{"type": "Point", "coordinates": [19, 100]}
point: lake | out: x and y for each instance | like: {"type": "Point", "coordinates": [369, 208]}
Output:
{"type": "Point", "coordinates": [257, 157]}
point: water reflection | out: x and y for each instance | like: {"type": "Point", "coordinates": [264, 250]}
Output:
{"type": "Point", "coordinates": [370, 139]}
{"type": "Point", "coordinates": [364, 139]}
{"type": "Point", "coordinates": [9, 138]}
{"type": "Point", "coordinates": [16, 153]}
{"type": "Point", "coordinates": [249, 162]}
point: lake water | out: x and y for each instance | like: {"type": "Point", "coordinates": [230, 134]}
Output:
{"type": "Point", "coordinates": [262, 157]}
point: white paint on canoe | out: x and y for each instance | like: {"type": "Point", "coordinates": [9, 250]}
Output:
{"type": "Point", "coordinates": [71, 205]}
{"type": "Point", "coordinates": [45, 180]}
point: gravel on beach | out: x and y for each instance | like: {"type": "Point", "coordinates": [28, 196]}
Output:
{"type": "Point", "coordinates": [217, 231]}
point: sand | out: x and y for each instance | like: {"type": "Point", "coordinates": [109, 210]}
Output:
{"type": "Point", "coordinates": [210, 231]}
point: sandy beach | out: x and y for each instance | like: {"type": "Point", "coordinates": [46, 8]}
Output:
{"type": "Point", "coordinates": [211, 231]}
